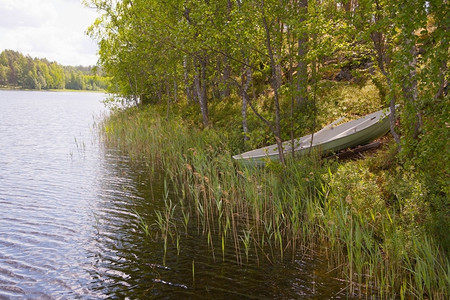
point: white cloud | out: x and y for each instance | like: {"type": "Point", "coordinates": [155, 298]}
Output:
{"type": "Point", "coordinates": [52, 29]}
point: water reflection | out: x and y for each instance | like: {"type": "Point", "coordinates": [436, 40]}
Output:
{"type": "Point", "coordinates": [70, 220]}
{"type": "Point", "coordinates": [130, 264]}
{"type": "Point", "coordinates": [45, 192]}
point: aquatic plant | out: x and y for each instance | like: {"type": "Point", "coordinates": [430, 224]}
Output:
{"type": "Point", "coordinates": [337, 210]}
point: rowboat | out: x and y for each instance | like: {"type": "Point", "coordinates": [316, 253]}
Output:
{"type": "Point", "coordinates": [330, 139]}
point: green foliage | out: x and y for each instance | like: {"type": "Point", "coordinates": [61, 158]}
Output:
{"type": "Point", "coordinates": [384, 218]}
{"type": "Point", "coordinates": [343, 99]}
{"type": "Point", "coordinates": [356, 187]}
{"type": "Point", "coordinates": [17, 70]}
{"type": "Point", "coordinates": [411, 200]}
{"type": "Point", "coordinates": [378, 242]}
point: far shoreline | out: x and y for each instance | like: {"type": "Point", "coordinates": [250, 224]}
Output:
{"type": "Point", "coordinates": [14, 88]}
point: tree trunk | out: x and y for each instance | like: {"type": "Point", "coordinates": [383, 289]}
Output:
{"type": "Point", "coordinates": [302, 70]}
{"type": "Point", "coordinates": [291, 88]}
{"type": "Point", "coordinates": [275, 86]}
{"type": "Point", "coordinates": [133, 89]}
{"type": "Point", "coordinates": [410, 88]}
{"type": "Point", "coordinates": [175, 91]}
{"type": "Point", "coordinates": [187, 84]}
{"type": "Point", "coordinates": [226, 77]}
{"type": "Point", "coordinates": [168, 100]}
{"type": "Point", "coordinates": [392, 119]}
{"type": "Point", "coordinates": [383, 62]}
{"type": "Point", "coordinates": [200, 87]}
{"type": "Point", "coordinates": [443, 83]}
{"type": "Point", "coordinates": [246, 79]}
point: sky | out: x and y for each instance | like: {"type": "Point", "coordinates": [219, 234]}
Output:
{"type": "Point", "coordinates": [51, 29]}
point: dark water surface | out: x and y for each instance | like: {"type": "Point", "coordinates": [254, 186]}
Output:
{"type": "Point", "coordinates": [69, 219]}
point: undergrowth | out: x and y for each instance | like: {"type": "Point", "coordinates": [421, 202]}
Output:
{"type": "Point", "coordinates": [371, 218]}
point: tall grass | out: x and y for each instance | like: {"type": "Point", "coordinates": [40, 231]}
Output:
{"type": "Point", "coordinates": [273, 212]}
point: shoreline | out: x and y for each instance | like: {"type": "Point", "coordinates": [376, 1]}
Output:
{"type": "Point", "coordinates": [12, 88]}
{"type": "Point", "coordinates": [341, 208]}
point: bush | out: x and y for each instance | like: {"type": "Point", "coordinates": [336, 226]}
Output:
{"type": "Point", "coordinates": [410, 199]}
{"type": "Point", "coordinates": [354, 186]}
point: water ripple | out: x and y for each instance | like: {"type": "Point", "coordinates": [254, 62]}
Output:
{"type": "Point", "coordinates": [71, 211]}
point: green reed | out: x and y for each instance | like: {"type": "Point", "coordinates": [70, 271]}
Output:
{"type": "Point", "coordinates": [275, 211]}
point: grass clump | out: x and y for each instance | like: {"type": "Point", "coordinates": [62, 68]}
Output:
{"type": "Point", "coordinates": [370, 217]}
{"type": "Point", "coordinates": [383, 240]}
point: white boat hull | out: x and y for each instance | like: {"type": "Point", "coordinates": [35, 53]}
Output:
{"type": "Point", "coordinates": [328, 140]}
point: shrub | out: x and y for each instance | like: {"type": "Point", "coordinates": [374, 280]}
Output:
{"type": "Point", "coordinates": [354, 186]}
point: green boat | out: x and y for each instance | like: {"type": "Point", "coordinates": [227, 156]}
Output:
{"type": "Point", "coordinates": [329, 139]}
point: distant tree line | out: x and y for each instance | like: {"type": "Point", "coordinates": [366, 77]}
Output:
{"type": "Point", "coordinates": [18, 70]}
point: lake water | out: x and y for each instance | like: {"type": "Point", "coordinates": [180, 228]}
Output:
{"type": "Point", "coordinates": [69, 219]}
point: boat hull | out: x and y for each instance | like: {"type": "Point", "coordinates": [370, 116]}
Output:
{"type": "Point", "coordinates": [328, 140]}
